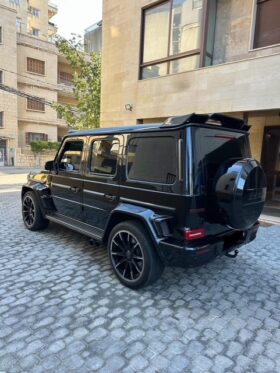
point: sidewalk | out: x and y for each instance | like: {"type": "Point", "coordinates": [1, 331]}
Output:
{"type": "Point", "coordinates": [17, 170]}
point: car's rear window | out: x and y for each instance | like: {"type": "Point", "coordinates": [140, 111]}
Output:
{"type": "Point", "coordinates": [213, 149]}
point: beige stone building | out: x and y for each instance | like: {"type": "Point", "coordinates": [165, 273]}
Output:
{"type": "Point", "coordinates": [30, 63]}
{"type": "Point", "coordinates": [173, 57]}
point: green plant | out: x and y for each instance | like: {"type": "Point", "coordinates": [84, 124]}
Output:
{"type": "Point", "coordinates": [39, 146]}
{"type": "Point", "coordinates": [86, 84]}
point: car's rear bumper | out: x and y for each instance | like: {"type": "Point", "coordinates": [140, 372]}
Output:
{"type": "Point", "coordinates": [178, 254]}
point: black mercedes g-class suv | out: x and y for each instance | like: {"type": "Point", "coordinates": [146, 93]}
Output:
{"type": "Point", "coordinates": [178, 193]}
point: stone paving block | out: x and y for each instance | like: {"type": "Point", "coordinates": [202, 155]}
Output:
{"type": "Point", "coordinates": [62, 309]}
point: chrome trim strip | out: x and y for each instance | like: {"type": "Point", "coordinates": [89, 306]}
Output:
{"type": "Point", "coordinates": [129, 187]}
{"type": "Point", "coordinates": [190, 162]}
{"type": "Point", "coordinates": [79, 203]}
{"type": "Point", "coordinates": [147, 204]}
{"type": "Point", "coordinates": [180, 173]}
{"type": "Point", "coordinates": [66, 199]}
{"type": "Point", "coordinates": [92, 226]}
{"type": "Point", "coordinates": [93, 207]}
{"type": "Point", "coordinates": [93, 192]}
{"type": "Point", "coordinates": [60, 185]}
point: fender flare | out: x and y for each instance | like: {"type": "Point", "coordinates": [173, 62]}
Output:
{"type": "Point", "coordinates": [147, 217]}
{"type": "Point", "coordinates": [41, 192]}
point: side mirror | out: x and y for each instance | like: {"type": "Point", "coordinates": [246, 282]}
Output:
{"type": "Point", "coordinates": [50, 166]}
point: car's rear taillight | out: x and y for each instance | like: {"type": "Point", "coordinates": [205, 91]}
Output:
{"type": "Point", "coordinates": [194, 234]}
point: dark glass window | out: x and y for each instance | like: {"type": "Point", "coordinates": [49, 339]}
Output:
{"type": "Point", "coordinates": [71, 157]}
{"type": "Point", "coordinates": [171, 28]}
{"type": "Point", "coordinates": [267, 29]}
{"type": "Point", "coordinates": [152, 159]}
{"type": "Point", "coordinates": [1, 119]}
{"type": "Point", "coordinates": [34, 136]}
{"type": "Point", "coordinates": [104, 156]}
{"type": "Point", "coordinates": [213, 150]}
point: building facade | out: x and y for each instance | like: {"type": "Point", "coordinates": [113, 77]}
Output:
{"type": "Point", "coordinates": [93, 38]}
{"type": "Point", "coordinates": [31, 65]}
{"type": "Point", "coordinates": [173, 57]}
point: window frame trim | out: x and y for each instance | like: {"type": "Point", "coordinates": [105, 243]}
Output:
{"type": "Point", "coordinates": [253, 30]}
{"type": "Point", "coordinates": [31, 72]}
{"type": "Point", "coordinates": [127, 178]}
{"type": "Point", "coordinates": [35, 110]}
{"type": "Point", "coordinates": [201, 51]}
{"type": "Point", "coordinates": [60, 151]}
{"type": "Point", "coordinates": [88, 166]}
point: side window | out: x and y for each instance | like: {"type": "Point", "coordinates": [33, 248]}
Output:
{"type": "Point", "coordinates": [104, 155]}
{"type": "Point", "coordinates": [152, 159]}
{"type": "Point", "coordinates": [71, 157]}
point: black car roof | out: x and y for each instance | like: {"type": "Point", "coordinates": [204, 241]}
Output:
{"type": "Point", "coordinates": [217, 120]}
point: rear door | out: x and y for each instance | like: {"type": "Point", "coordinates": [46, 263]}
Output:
{"type": "Point", "coordinates": [67, 180]}
{"type": "Point", "coordinates": [101, 186]}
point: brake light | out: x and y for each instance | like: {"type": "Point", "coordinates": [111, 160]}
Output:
{"type": "Point", "coordinates": [194, 234]}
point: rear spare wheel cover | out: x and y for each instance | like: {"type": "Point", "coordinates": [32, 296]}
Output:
{"type": "Point", "coordinates": [241, 193]}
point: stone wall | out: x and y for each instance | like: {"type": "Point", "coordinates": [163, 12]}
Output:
{"type": "Point", "coordinates": [26, 158]}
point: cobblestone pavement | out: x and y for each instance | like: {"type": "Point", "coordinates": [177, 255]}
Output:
{"type": "Point", "coordinates": [62, 309]}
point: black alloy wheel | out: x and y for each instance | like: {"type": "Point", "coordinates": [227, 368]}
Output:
{"type": "Point", "coordinates": [28, 211]}
{"type": "Point", "coordinates": [31, 213]}
{"type": "Point", "coordinates": [133, 255]}
{"type": "Point", "coordinates": [127, 256]}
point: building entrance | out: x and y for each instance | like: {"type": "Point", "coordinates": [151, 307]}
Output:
{"type": "Point", "coordinates": [2, 152]}
{"type": "Point", "coordinates": [271, 165]}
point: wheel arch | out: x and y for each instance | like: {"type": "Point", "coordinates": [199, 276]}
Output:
{"type": "Point", "coordinates": [41, 191]}
{"type": "Point", "coordinates": [126, 212]}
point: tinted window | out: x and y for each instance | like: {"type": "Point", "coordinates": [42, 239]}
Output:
{"type": "Point", "coordinates": [152, 159]}
{"type": "Point", "coordinates": [71, 157]}
{"type": "Point", "coordinates": [104, 155]}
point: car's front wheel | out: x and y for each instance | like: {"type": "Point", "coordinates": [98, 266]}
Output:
{"type": "Point", "coordinates": [31, 213]}
{"type": "Point", "coordinates": [133, 255]}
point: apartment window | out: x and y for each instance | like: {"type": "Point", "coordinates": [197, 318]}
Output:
{"type": "Point", "coordinates": [15, 3]}
{"type": "Point", "coordinates": [1, 34]}
{"type": "Point", "coordinates": [171, 38]}
{"type": "Point", "coordinates": [34, 31]}
{"type": "Point", "coordinates": [34, 12]}
{"type": "Point", "coordinates": [267, 28]}
{"type": "Point", "coordinates": [1, 77]}
{"type": "Point", "coordinates": [35, 105]}
{"type": "Point", "coordinates": [18, 24]}
{"type": "Point", "coordinates": [1, 119]}
{"type": "Point", "coordinates": [65, 78]}
{"type": "Point", "coordinates": [33, 136]}
{"type": "Point", "coordinates": [35, 66]}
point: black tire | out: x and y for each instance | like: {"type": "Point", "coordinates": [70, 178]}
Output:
{"type": "Point", "coordinates": [133, 256]}
{"type": "Point", "coordinates": [31, 213]}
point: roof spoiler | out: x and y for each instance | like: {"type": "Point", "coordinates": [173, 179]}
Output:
{"type": "Point", "coordinates": [217, 119]}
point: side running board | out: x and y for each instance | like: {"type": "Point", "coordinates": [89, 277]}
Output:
{"type": "Point", "coordinates": [80, 227]}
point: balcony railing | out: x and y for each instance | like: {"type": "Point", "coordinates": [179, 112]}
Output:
{"type": "Point", "coordinates": [65, 82]}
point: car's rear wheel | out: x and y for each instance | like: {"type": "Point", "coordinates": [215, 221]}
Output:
{"type": "Point", "coordinates": [133, 256]}
{"type": "Point", "coordinates": [31, 213]}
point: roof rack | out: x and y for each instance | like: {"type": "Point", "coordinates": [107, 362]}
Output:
{"type": "Point", "coordinates": [216, 119]}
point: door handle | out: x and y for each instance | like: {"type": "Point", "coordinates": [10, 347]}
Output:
{"type": "Point", "coordinates": [110, 197]}
{"type": "Point", "coordinates": [75, 189]}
